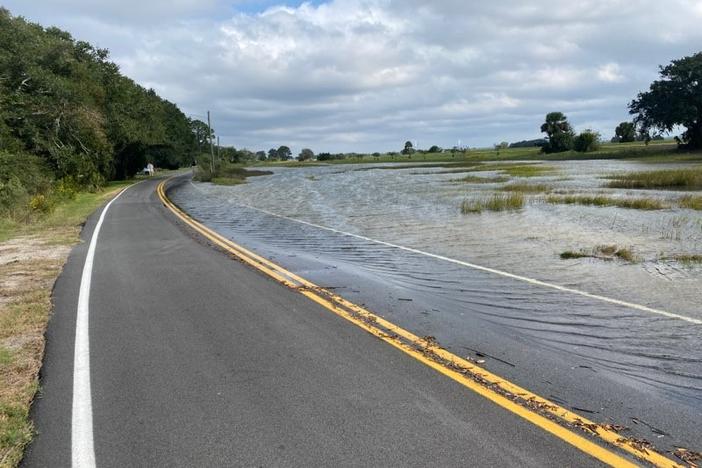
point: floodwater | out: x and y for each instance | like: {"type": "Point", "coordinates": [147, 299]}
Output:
{"type": "Point", "coordinates": [396, 241]}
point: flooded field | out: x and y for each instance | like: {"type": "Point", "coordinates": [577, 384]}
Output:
{"type": "Point", "coordinates": [618, 319]}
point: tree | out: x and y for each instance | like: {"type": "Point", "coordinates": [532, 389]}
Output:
{"type": "Point", "coordinates": [284, 153]}
{"type": "Point", "coordinates": [674, 100]}
{"type": "Point", "coordinates": [587, 141]}
{"type": "Point", "coordinates": [409, 148]}
{"type": "Point", "coordinates": [625, 132]}
{"type": "Point", "coordinates": [273, 154]}
{"type": "Point", "coordinates": [435, 149]}
{"type": "Point", "coordinates": [63, 101]}
{"type": "Point", "coordinates": [261, 155]}
{"type": "Point", "coordinates": [201, 133]}
{"type": "Point", "coordinates": [559, 132]}
{"type": "Point", "coordinates": [305, 155]}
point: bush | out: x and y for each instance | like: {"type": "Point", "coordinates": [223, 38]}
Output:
{"type": "Point", "coordinates": [587, 141]}
{"type": "Point", "coordinates": [23, 177]}
{"type": "Point", "coordinates": [41, 203]}
{"type": "Point", "coordinates": [559, 143]}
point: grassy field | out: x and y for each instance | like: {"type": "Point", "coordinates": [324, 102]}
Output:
{"type": "Point", "coordinates": [655, 152]}
{"type": "Point", "coordinates": [31, 258]}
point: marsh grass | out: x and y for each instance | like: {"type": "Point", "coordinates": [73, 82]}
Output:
{"type": "Point", "coordinates": [531, 170]}
{"type": "Point", "coordinates": [526, 188]}
{"type": "Point", "coordinates": [496, 202]}
{"type": "Point", "coordinates": [687, 178]}
{"type": "Point", "coordinates": [691, 202]}
{"type": "Point", "coordinates": [602, 200]}
{"type": "Point", "coordinates": [601, 252]}
{"type": "Point", "coordinates": [228, 174]}
{"type": "Point", "coordinates": [472, 179]}
{"type": "Point", "coordinates": [687, 259]}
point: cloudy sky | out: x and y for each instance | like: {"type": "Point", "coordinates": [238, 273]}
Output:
{"type": "Point", "coordinates": [366, 75]}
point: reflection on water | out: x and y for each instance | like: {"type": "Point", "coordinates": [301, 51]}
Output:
{"type": "Point", "coordinates": [419, 208]}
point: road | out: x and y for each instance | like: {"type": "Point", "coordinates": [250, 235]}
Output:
{"type": "Point", "coordinates": [197, 359]}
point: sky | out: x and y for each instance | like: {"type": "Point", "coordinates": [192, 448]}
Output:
{"type": "Point", "coordinates": [367, 75]}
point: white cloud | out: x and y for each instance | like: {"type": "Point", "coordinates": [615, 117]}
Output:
{"type": "Point", "coordinates": [361, 75]}
{"type": "Point", "coordinates": [610, 73]}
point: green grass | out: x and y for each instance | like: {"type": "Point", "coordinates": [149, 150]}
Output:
{"type": "Point", "coordinates": [654, 152]}
{"type": "Point", "coordinates": [69, 213]}
{"type": "Point", "coordinates": [688, 178]}
{"type": "Point", "coordinates": [228, 174]}
{"type": "Point", "coordinates": [601, 200]}
{"type": "Point", "coordinates": [602, 252]}
{"type": "Point", "coordinates": [526, 188]}
{"type": "Point", "coordinates": [496, 202]}
{"type": "Point", "coordinates": [531, 170]}
{"type": "Point", "coordinates": [471, 179]}
{"type": "Point", "coordinates": [691, 202]}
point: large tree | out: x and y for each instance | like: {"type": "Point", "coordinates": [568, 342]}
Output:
{"type": "Point", "coordinates": [559, 132]}
{"type": "Point", "coordinates": [674, 100]}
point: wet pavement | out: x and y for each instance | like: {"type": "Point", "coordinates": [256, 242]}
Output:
{"type": "Point", "coordinates": [609, 362]}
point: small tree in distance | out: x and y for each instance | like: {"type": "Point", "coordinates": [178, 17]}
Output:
{"type": "Point", "coordinates": [305, 155]}
{"type": "Point", "coordinates": [284, 153]}
{"type": "Point", "coordinates": [409, 148]}
{"type": "Point", "coordinates": [625, 132]}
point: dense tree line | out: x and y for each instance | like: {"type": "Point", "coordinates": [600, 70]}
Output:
{"type": "Point", "coordinates": [67, 114]}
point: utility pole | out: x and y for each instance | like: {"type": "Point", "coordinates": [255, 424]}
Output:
{"type": "Point", "coordinates": [209, 134]}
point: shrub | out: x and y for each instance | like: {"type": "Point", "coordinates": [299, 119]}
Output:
{"type": "Point", "coordinates": [587, 141]}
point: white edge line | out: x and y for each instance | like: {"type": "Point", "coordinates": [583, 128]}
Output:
{"type": "Point", "coordinates": [494, 271]}
{"type": "Point", "coordinates": [82, 449]}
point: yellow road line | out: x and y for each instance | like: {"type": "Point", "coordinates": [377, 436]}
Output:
{"type": "Point", "coordinates": [477, 379]}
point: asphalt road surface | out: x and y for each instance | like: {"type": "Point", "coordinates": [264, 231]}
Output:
{"type": "Point", "coordinates": [198, 360]}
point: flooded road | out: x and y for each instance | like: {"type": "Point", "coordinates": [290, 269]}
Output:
{"type": "Point", "coordinates": [613, 340]}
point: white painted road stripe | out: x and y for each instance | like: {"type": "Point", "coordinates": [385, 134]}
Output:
{"type": "Point", "coordinates": [82, 450]}
{"type": "Point", "coordinates": [494, 271]}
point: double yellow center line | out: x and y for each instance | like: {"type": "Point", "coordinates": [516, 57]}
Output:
{"type": "Point", "coordinates": [545, 414]}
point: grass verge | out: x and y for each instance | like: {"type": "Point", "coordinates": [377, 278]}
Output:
{"type": "Point", "coordinates": [496, 202]}
{"type": "Point", "coordinates": [601, 200]}
{"type": "Point", "coordinates": [31, 258]}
